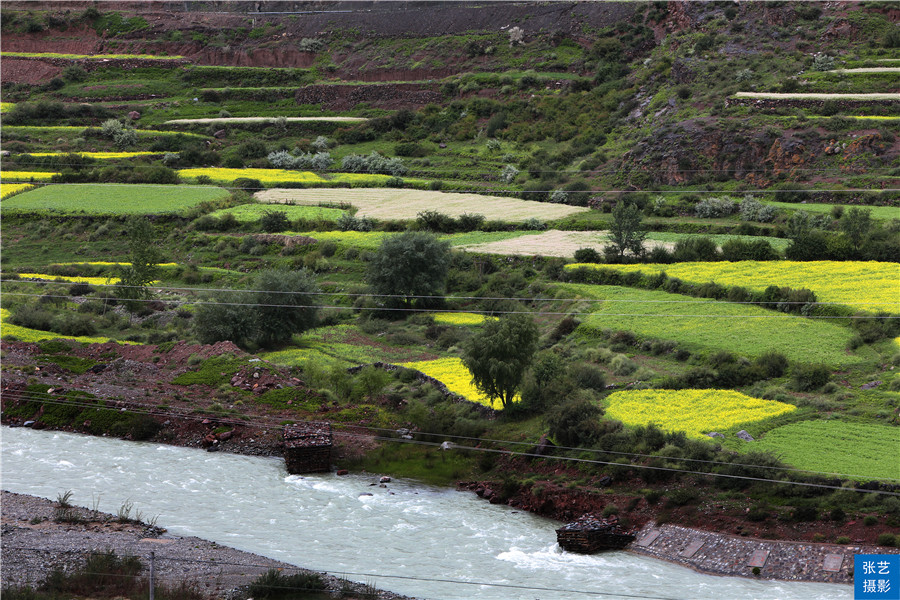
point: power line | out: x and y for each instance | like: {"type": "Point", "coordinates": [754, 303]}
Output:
{"type": "Point", "coordinates": [403, 296]}
{"type": "Point", "coordinates": [488, 190]}
{"type": "Point", "coordinates": [779, 316]}
{"type": "Point", "coordinates": [367, 575]}
{"type": "Point", "coordinates": [267, 426]}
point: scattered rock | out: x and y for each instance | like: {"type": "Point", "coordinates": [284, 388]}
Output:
{"type": "Point", "coordinates": [384, 479]}
{"type": "Point", "coordinates": [715, 434]}
{"type": "Point", "coordinates": [745, 436]}
{"type": "Point", "coordinates": [870, 385]}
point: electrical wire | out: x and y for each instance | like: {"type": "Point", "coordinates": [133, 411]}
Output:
{"type": "Point", "coordinates": [367, 575]}
{"type": "Point", "coordinates": [265, 425]}
{"type": "Point", "coordinates": [494, 312]}
{"type": "Point", "coordinates": [404, 296]}
{"type": "Point", "coordinates": [507, 191]}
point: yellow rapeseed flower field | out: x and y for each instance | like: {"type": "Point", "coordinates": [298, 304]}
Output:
{"type": "Point", "coordinates": [454, 374]}
{"type": "Point", "coordinates": [26, 175]}
{"type": "Point", "coordinates": [9, 189]}
{"type": "Point", "coordinates": [696, 412]}
{"type": "Point", "coordinates": [459, 318]}
{"type": "Point", "coordinates": [6, 106]}
{"type": "Point", "coordinates": [872, 286]}
{"type": "Point", "coordinates": [265, 176]}
{"type": "Point", "coordinates": [98, 155]}
{"type": "Point", "coordinates": [72, 279]}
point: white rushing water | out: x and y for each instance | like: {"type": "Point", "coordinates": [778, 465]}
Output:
{"type": "Point", "coordinates": [417, 534]}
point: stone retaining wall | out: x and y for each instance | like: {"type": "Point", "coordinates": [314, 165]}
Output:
{"type": "Point", "coordinates": [720, 554]}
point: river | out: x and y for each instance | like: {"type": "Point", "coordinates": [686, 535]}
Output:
{"type": "Point", "coordinates": [402, 537]}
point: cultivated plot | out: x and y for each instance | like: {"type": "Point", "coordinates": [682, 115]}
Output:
{"type": "Point", "coordinates": [857, 450]}
{"type": "Point", "coordinates": [695, 412]}
{"type": "Point", "coordinates": [565, 243]}
{"type": "Point", "coordinates": [872, 286]}
{"type": "Point", "coordinates": [712, 325]}
{"type": "Point", "coordinates": [239, 120]}
{"type": "Point", "coordinates": [112, 199]}
{"type": "Point", "coordinates": [392, 203]}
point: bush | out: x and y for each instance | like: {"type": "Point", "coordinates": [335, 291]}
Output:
{"type": "Point", "coordinates": [273, 221]}
{"type": "Point", "coordinates": [274, 584]}
{"type": "Point", "coordinates": [887, 539]}
{"type": "Point", "coordinates": [575, 423]}
{"type": "Point", "coordinates": [248, 185]}
{"type": "Point", "coordinates": [588, 255]}
{"type": "Point", "coordinates": [807, 378]}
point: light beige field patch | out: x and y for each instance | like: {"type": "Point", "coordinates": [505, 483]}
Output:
{"type": "Point", "coordinates": [226, 120]}
{"type": "Point", "coordinates": [780, 96]}
{"type": "Point", "coordinates": [393, 203]}
{"type": "Point", "coordinates": [553, 243]}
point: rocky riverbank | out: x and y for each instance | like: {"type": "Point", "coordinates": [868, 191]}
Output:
{"type": "Point", "coordinates": [721, 554]}
{"type": "Point", "coordinates": [39, 537]}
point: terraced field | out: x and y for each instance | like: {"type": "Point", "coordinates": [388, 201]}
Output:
{"type": "Point", "coordinates": [857, 450]}
{"type": "Point", "coordinates": [868, 286]}
{"type": "Point", "coordinates": [391, 203]}
{"type": "Point", "coordinates": [239, 120]}
{"type": "Point", "coordinates": [565, 243]}
{"type": "Point", "coordinates": [247, 213]}
{"type": "Point", "coordinates": [712, 326]}
{"type": "Point", "coordinates": [696, 412]}
{"type": "Point", "coordinates": [112, 199]}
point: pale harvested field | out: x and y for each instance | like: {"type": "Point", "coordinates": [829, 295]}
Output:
{"type": "Point", "coordinates": [866, 70]}
{"type": "Point", "coordinates": [553, 243]}
{"type": "Point", "coordinates": [226, 120]}
{"type": "Point", "coordinates": [393, 203]}
{"type": "Point", "coordinates": [779, 96]}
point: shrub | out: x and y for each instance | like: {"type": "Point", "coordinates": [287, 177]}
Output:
{"type": "Point", "coordinates": [247, 184]}
{"type": "Point", "coordinates": [588, 255]}
{"type": "Point", "coordinates": [273, 221]}
{"type": "Point", "coordinates": [810, 377]}
{"type": "Point", "coordinates": [274, 584]}
{"type": "Point", "coordinates": [887, 539]}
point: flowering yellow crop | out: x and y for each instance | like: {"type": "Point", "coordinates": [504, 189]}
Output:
{"type": "Point", "coordinates": [361, 178]}
{"type": "Point", "coordinates": [98, 155]}
{"type": "Point", "coordinates": [10, 189]}
{"type": "Point", "coordinates": [459, 318]}
{"type": "Point", "coordinates": [265, 176]}
{"type": "Point", "coordinates": [73, 279]}
{"type": "Point", "coordinates": [26, 334]}
{"type": "Point", "coordinates": [454, 374]}
{"type": "Point", "coordinates": [6, 106]}
{"type": "Point", "coordinates": [357, 239]}
{"type": "Point", "coordinates": [26, 175]}
{"type": "Point", "coordinates": [696, 412]}
{"type": "Point", "coordinates": [869, 286]}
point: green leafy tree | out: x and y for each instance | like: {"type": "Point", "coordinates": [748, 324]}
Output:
{"type": "Point", "coordinates": [226, 316]}
{"type": "Point", "coordinates": [286, 304]}
{"type": "Point", "coordinates": [409, 266]}
{"type": "Point", "coordinates": [143, 269]}
{"type": "Point", "coordinates": [856, 225]}
{"type": "Point", "coordinates": [625, 232]}
{"type": "Point", "coordinates": [280, 304]}
{"type": "Point", "coordinates": [499, 354]}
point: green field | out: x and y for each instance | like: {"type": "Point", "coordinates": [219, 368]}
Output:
{"type": "Point", "coordinates": [870, 285]}
{"type": "Point", "coordinates": [713, 326]}
{"type": "Point", "coordinates": [857, 450]}
{"type": "Point", "coordinates": [247, 213]}
{"type": "Point", "coordinates": [880, 213]}
{"type": "Point", "coordinates": [112, 199]}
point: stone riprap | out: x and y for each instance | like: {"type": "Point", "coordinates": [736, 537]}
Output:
{"type": "Point", "coordinates": [721, 554]}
